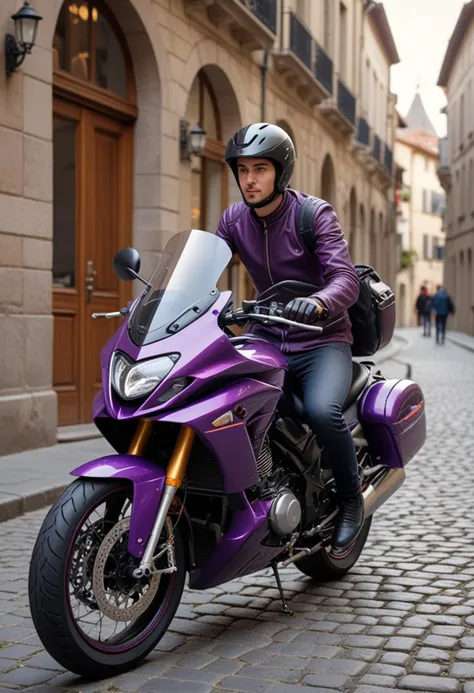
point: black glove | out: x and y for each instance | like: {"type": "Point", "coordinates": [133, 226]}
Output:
{"type": "Point", "coordinates": [305, 310]}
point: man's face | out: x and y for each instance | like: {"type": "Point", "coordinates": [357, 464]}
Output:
{"type": "Point", "coordinates": [256, 179]}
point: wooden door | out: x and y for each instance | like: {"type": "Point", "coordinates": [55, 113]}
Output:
{"type": "Point", "coordinates": [92, 220]}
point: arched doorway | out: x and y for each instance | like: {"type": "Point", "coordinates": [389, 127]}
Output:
{"type": "Point", "coordinates": [94, 110]}
{"type": "Point", "coordinates": [373, 250]}
{"type": "Point", "coordinates": [328, 181]}
{"type": "Point", "coordinates": [352, 233]}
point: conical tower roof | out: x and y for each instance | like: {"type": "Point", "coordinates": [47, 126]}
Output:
{"type": "Point", "coordinates": [417, 117]}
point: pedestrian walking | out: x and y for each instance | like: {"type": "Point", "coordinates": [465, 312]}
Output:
{"type": "Point", "coordinates": [443, 306]}
{"type": "Point", "coordinates": [423, 308]}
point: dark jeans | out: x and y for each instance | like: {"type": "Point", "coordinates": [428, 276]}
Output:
{"type": "Point", "coordinates": [440, 328]}
{"type": "Point", "coordinates": [427, 325]}
{"type": "Point", "coordinates": [325, 376]}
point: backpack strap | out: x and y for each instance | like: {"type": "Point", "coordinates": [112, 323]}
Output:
{"type": "Point", "coordinates": [305, 221]}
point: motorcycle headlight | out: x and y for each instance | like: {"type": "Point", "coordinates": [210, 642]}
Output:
{"type": "Point", "coordinates": [132, 380]}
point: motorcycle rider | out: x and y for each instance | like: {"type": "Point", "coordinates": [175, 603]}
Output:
{"type": "Point", "coordinates": [262, 230]}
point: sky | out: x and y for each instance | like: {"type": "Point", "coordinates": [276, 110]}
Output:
{"type": "Point", "coordinates": [421, 29]}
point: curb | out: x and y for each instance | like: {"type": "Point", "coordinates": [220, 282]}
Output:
{"type": "Point", "coordinates": [460, 343]}
{"type": "Point", "coordinates": [16, 505]}
{"type": "Point", "coordinates": [19, 505]}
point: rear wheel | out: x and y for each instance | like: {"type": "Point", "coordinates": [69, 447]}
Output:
{"type": "Point", "coordinates": [91, 614]}
{"type": "Point", "coordinates": [322, 567]}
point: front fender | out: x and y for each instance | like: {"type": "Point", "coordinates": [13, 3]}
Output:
{"type": "Point", "coordinates": [148, 479]}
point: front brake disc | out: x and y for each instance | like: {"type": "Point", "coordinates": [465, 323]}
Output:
{"type": "Point", "coordinates": [116, 605]}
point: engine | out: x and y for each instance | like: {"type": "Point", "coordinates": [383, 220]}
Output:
{"type": "Point", "coordinates": [278, 485]}
{"type": "Point", "coordinates": [285, 513]}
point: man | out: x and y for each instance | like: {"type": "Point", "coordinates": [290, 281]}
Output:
{"type": "Point", "coordinates": [262, 230]}
{"type": "Point", "coordinates": [443, 306]}
{"type": "Point", "coordinates": [423, 308]}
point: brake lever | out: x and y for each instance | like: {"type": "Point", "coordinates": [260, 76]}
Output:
{"type": "Point", "coordinates": [284, 321]}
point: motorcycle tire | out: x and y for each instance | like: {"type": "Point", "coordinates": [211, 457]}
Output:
{"type": "Point", "coordinates": [323, 568]}
{"type": "Point", "coordinates": [53, 573]}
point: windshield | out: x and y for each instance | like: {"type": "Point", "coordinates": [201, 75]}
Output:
{"type": "Point", "coordinates": [182, 287]}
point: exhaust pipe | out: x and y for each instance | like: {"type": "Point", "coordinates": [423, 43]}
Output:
{"type": "Point", "coordinates": [375, 496]}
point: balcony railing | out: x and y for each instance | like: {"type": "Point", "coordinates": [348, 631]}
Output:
{"type": "Point", "coordinates": [363, 133]}
{"type": "Point", "coordinates": [346, 102]}
{"type": "Point", "coordinates": [377, 148]}
{"type": "Point", "coordinates": [266, 11]}
{"type": "Point", "coordinates": [301, 41]}
{"type": "Point", "coordinates": [388, 159]}
{"type": "Point", "coordinates": [304, 65]}
{"type": "Point", "coordinates": [323, 68]}
{"type": "Point", "coordinates": [443, 156]}
{"type": "Point", "coordinates": [253, 23]}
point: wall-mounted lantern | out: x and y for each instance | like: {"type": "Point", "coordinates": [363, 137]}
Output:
{"type": "Point", "coordinates": [18, 46]}
{"type": "Point", "coordinates": [191, 143]}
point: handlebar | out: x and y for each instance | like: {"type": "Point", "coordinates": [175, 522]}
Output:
{"type": "Point", "coordinates": [266, 314]}
{"type": "Point", "coordinates": [250, 311]}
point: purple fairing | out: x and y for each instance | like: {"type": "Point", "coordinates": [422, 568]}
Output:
{"type": "Point", "coordinates": [148, 479]}
{"type": "Point", "coordinates": [211, 358]}
{"type": "Point", "coordinates": [240, 550]}
{"type": "Point", "coordinates": [205, 353]}
{"type": "Point", "coordinates": [392, 413]}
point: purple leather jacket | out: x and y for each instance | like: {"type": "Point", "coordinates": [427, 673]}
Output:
{"type": "Point", "coordinates": [271, 250]}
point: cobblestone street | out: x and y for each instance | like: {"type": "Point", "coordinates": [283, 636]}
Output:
{"type": "Point", "coordinates": [402, 619]}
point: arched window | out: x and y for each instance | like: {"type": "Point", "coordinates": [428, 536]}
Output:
{"type": "Point", "coordinates": [87, 44]}
{"type": "Point", "coordinates": [328, 181]}
{"type": "Point", "coordinates": [209, 174]}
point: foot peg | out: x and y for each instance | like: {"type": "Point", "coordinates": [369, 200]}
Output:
{"type": "Point", "coordinates": [285, 609]}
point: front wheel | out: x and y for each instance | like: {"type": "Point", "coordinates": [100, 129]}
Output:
{"type": "Point", "coordinates": [322, 567]}
{"type": "Point", "coordinates": [90, 613]}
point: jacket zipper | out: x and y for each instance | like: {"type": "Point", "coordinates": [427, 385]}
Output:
{"type": "Point", "coordinates": [267, 253]}
{"type": "Point", "coordinates": [269, 272]}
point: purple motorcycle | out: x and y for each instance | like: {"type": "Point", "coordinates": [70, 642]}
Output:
{"type": "Point", "coordinates": [216, 474]}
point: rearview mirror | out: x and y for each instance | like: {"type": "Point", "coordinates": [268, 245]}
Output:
{"type": "Point", "coordinates": [126, 264]}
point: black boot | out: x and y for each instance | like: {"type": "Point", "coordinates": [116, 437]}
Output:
{"type": "Point", "coordinates": [348, 525]}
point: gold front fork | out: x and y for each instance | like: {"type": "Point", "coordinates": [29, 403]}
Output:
{"type": "Point", "coordinates": [174, 478]}
{"type": "Point", "coordinates": [179, 459]}
{"type": "Point", "coordinates": [141, 437]}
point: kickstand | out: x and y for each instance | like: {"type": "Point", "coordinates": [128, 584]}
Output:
{"type": "Point", "coordinates": [285, 609]}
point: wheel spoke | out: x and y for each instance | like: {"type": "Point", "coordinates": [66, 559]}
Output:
{"type": "Point", "coordinates": [105, 599]}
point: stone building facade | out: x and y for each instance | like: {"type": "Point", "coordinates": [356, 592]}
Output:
{"type": "Point", "coordinates": [94, 156]}
{"type": "Point", "coordinates": [456, 168]}
{"type": "Point", "coordinates": [421, 210]}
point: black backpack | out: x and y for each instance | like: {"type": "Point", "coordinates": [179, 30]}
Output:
{"type": "Point", "coordinates": [373, 314]}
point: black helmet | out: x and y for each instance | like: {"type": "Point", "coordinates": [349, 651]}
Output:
{"type": "Point", "coordinates": [263, 141]}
